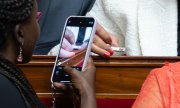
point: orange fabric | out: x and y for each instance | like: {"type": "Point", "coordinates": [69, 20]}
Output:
{"type": "Point", "coordinates": [161, 89]}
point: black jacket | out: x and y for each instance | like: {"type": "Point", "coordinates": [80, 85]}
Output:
{"type": "Point", "coordinates": [54, 14]}
{"type": "Point", "coordinates": [10, 96]}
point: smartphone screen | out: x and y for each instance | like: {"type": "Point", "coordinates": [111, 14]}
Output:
{"type": "Point", "coordinates": [75, 46]}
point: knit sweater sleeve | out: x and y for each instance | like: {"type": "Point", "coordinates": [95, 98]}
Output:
{"type": "Point", "coordinates": [100, 11]}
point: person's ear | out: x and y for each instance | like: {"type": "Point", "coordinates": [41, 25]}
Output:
{"type": "Point", "coordinates": [19, 34]}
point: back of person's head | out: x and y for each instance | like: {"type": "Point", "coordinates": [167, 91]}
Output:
{"type": "Point", "coordinates": [18, 29]}
{"type": "Point", "coordinates": [18, 34]}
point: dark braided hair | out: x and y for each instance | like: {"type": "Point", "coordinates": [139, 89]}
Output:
{"type": "Point", "coordinates": [12, 12]}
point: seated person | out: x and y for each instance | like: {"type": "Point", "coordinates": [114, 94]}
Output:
{"type": "Point", "coordinates": [143, 27]}
{"type": "Point", "coordinates": [161, 88]}
{"type": "Point", "coordinates": [85, 82]}
{"type": "Point", "coordinates": [52, 22]}
{"type": "Point", "coordinates": [54, 14]}
{"type": "Point", "coordinates": [19, 31]}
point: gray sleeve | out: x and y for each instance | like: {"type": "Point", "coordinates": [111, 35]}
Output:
{"type": "Point", "coordinates": [54, 15]}
{"type": "Point", "coordinates": [10, 96]}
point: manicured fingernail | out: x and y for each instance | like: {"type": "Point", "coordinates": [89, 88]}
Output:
{"type": "Point", "coordinates": [111, 52]}
{"type": "Point", "coordinates": [106, 55]}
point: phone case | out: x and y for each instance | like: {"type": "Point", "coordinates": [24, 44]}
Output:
{"type": "Point", "coordinates": [78, 42]}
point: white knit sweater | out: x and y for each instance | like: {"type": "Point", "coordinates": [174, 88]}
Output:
{"type": "Point", "coordinates": [145, 27]}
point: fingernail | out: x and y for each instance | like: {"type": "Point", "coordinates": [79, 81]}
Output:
{"type": "Point", "coordinates": [106, 55]}
{"type": "Point", "coordinates": [111, 52]}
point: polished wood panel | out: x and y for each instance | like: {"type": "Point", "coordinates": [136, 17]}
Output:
{"type": "Point", "coordinates": [117, 77]}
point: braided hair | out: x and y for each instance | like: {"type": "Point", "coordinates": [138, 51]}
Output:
{"type": "Point", "coordinates": [17, 77]}
{"type": "Point", "coordinates": [13, 12]}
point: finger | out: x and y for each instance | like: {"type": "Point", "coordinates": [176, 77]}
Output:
{"type": "Point", "coordinates": [103, 34]}
{"type": "Point", "coordinates": [62, 87]}
{"type": "Point", "coordinates": [100, 51]}
{"type": "Point", "coordinates": [100, 43]}
{"type": "Point", "coordinates": [90, 71]}
{"type": "Point", "coordinates": [90, 67]}
{"type": "Point", "coordinates": [69, 35]}
{"type": "Point", "coordinates": [72, 72]}
{"type": "Point", "coordinates": [66, 45]}
{"type": "Point", "coordinates": [59, 86]}
{"type": "Point", "coordinates": [115, 41]}
{"type": "Point", "coordinates": [90, 74]}
{"type": "Point", "coordinates": [90, 63]}
{"type": "Point", "coordinates": [66, 54]}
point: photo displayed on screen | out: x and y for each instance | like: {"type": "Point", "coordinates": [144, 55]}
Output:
{"type": "Point", "coordinates": [74, 45]}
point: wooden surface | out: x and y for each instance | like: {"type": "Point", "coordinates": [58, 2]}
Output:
{"type": "Point", "coordinates": [75, 60]}
{"type": "Point", "coordinates": [118, 77]}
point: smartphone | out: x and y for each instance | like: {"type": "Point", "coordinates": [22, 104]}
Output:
{"type": "Point", "coordinates": [75, 46]}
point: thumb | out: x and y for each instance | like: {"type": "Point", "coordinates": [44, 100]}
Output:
{"type": "Point", "coordinates": [72, 72]}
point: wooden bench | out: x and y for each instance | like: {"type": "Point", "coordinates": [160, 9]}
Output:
{"type": "Point", "coordinates": [116, 78]}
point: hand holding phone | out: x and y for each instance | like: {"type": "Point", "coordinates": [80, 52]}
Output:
{"type": "Point", "coordinates": [75, 46]}
{"type": "Point", "coordinates": [86, 78]}
{"type": "Point", "coordinates": [84, 82]}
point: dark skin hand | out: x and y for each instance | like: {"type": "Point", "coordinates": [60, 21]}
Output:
{"type": "Point", "coordinates": [84, 82]}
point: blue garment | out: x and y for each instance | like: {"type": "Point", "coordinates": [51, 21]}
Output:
{"type": "Point", "coordinates": [54, 15]}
